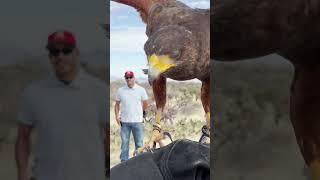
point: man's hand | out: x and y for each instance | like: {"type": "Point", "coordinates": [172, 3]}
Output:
{"type": "Point", "coordinates": [144, 114]}
{"type": "Point", "coordinates": [118, 121]}
{"type": "Point", "coordinates": [116, 111]}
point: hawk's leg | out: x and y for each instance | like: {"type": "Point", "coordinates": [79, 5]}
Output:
{"type": "Point", "coordinates": [305, 115]}
{"type": "Point", "coordinates": [159, 91]}
{"type": "Point", "coordinates": [205, 99]}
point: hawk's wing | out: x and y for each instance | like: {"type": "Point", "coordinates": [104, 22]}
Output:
{"type": "Point", "coordinates": [142, 6]}
{"type": "Point", "coordinates": [244, 29]}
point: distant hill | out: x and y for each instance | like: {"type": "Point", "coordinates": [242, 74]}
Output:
{"type": "Point", "coordinates": [13, 55]}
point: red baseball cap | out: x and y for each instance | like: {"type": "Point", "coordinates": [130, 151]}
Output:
{"type": "Point", "coordinates": [128, 74]}
{"type": "Point", "coordinates": [64, 37]}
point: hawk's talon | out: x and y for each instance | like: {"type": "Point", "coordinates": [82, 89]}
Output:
{"type": "Point", "coordinates": [205, 137]}
{"type": "Point", "coordinates": [157, 137]}
{"type": "Point", "coordinates": [168, 135]}
{"type": "Point", "coordinates": [149, 149]}
{"type": "Point", "coordinates": [206, 131]}
{"type": "Point", "coordinates": [142, 150]}
{"type": "Point", "coordinates": [157, 127]}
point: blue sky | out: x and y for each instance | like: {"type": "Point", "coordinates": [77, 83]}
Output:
{"type": "Point", "coordinates": [127, 39]}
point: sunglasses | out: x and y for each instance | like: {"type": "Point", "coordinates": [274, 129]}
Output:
{"type": "Point", "coordinates": [55, 52]}
{"type": "Point", "coordinates": [129, 77]}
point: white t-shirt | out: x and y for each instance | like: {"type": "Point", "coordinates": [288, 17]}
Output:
{"type": "Point", "coordinates": [69, 121]}
{"type": "Point", "coordinates": [131, 103]}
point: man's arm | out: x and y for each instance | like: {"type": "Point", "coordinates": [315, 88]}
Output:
{"type": "Point", "coordinates": [144, 108]}
{"type": "Point", "coordinates": [145, 105]}
{"type": "Point", "coordinates": [116, 111]}
{"type": "Point", "coordinates": [22, 151]}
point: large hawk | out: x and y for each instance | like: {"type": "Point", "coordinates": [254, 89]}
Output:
{"type": "Point", "coordinates": [177, 47]}
{"type": "Point", "coordinates": [251, 28]}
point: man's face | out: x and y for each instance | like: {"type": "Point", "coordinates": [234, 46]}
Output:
{"type": "Point", "coordinates": [130, 80]}
{"type": "Point", "coordinates": [64, 59]}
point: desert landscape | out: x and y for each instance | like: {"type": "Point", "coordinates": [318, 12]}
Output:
{"type": "Point", "coordinates": [183, 115]}
{"type": "Point", "coordinates": [253, 137]}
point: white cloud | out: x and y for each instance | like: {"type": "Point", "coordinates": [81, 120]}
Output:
{"type": "Point", "coordinates": [122, 17]}
{"type": "Point", "coordinates": [202, 4]}
{"type": "Point", "coordinates": [130, 39]}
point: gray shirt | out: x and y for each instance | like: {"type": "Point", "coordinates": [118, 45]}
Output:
{"type": "Point", "coordinates": [69, 122]}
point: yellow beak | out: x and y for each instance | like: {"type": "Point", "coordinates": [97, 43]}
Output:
{"type": "Point", "coordinates": [160, 63]}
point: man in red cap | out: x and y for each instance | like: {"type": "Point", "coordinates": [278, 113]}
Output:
{"type": "Point", "coordinates": [68, 112]}
{"type": "Point", "coordinates": [134, 102]}
{"type": "Point", "coordinates": [63, 54]}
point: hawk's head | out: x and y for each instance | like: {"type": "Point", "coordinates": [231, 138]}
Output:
{"type": "Point", "coordinates": [170, 48]}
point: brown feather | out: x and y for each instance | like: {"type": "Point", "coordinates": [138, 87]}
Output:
{"type": "Point", "coordinates": [159, 88]}
{"type": "Point", "coordinates": [252, 28]}
{"type": "Point", "coordinates": [142, 6]}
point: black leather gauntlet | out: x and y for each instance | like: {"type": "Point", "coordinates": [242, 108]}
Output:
{"type": "Point", "coordinates": [180, 160]}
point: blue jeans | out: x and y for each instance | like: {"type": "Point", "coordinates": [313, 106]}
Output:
{"type": "Point", "coordinates": [126, 129]}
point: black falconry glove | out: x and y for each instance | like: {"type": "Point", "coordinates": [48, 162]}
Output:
{"type": "Point", "coordinates": [180, 160]}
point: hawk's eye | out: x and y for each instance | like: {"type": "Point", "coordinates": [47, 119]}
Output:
{"type": "Point", "coordinates": [175, 54]}
{"type": "Point", "coordinates": [158, 8]}
{"type": "Point", "coordinates": [155, 10]}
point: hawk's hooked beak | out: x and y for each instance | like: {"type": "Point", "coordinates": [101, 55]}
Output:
{"type": "Point", "coordinates": [159, 64]}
